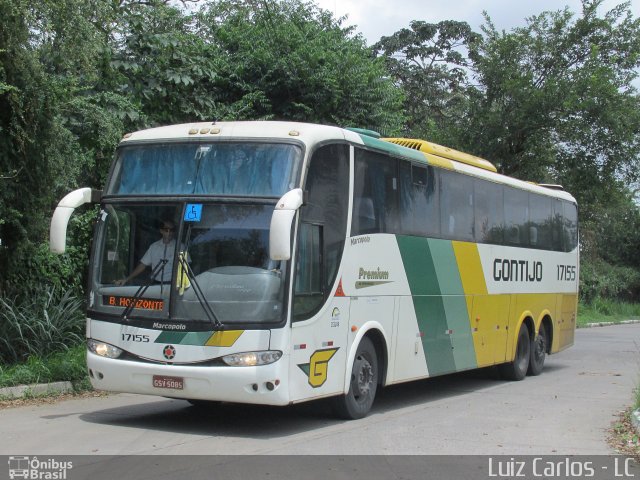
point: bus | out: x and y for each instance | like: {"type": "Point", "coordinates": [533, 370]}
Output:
{"type": "Point", "coordinates": [306, 261]}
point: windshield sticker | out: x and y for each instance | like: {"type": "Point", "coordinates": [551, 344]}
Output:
{"type": "Point", "coordinates": [193, 212]}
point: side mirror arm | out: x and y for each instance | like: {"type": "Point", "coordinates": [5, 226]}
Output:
{"type": "Point", "coordinates": [60, 219]}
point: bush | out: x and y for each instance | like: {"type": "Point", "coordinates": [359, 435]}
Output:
{"type": "Point", "coordinates": [43, 323]}
{"type": "Point", "coordinates": [599, 279]}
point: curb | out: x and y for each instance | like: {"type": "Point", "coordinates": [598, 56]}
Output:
{"type": "Point", "coordinates": [37, 389]}
{"type": "Point", "coordinates": [607, 324]}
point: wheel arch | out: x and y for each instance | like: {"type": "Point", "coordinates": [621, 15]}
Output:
{"type": "Point", "coordinates": [376, 333]}
{"type": "Point", "coordinates": [527, 319]}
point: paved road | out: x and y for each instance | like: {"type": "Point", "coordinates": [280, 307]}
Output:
{"type": "Point", "coordinates": [566, 410]}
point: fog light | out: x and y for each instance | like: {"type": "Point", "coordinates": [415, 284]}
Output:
{"type": "Point", "coordinates": [103, 349]}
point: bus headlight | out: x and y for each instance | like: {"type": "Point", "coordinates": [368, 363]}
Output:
{"type": "Point", "coordinates": [252, 359]}
{"type": "Point", "coordinates": [103, 349]}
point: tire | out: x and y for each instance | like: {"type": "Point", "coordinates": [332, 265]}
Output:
{"type": "Point", "coordinates": [517, 369]}
{"type": "Point", "coordinates": [363, 385]}
{"type": "Point", "coordinates": [538, 352]}
{"type": "Point", "coordinates": [203, 404]}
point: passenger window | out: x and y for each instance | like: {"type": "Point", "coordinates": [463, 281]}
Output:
{"type": "Point", "coordinates": [456, 199]}
{"type": "Point", "coordinates": [516, 217]}
{"type": "Point", "coordinates": [556, 226]}
{"type": "Point", "coordinates": [419, 206]}
{"type": "Point", "coordinates": [489, 212]}
{"type": "Point", "coordinates": [570, 228]}
{"type": "Point", "coordinates": [375, 203]}
{"type": "Point", "coordinates": [540, 221]}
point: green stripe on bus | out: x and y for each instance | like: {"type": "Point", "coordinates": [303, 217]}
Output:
{"type": "Point", "coordinates": [196, 338]}
{"type": "Point", "coordinates": [439, 302]}
{"type": "Point", "coordinates": [418, 265]}
{"type": "Point", "coordinates": [428, 304]}
{"type": "Point", "coordinates": [170, 337]}
{"type": "Point", "coordinates": [455, 303]}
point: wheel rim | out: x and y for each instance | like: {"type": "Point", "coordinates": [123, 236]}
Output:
{"type": "Point", "coordinates": [363, 378]}
{"type": "Point", "coordinates": [540, 349]}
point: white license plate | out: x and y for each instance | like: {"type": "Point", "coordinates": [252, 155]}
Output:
{"type": "Point", "coordinates": [163, 381]}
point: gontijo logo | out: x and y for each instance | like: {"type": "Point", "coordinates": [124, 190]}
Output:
{"type": "Point", "coordinates": [318, 367]}
{"type": "Point", "coordinates": [32, 468]}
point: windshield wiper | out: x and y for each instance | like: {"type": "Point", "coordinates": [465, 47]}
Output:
{"type": "Point", "coordinates": [141, 290]}
{"type": "Point", "coordinates": [211, 316]}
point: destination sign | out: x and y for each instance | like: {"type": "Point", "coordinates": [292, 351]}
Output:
{"type": "Point", "coordinates": [140, 303]}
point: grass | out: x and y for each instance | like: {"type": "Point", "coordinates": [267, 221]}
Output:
{"type": "Point", "coordinates": [57, 367]}
{"type": "Point", "coordinates": [603, 310]}
{"type": "Point", "coordinates": [47, 321]}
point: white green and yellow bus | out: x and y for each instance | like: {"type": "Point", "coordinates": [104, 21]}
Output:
{"type": "Point", "coordinates": [297, 261]}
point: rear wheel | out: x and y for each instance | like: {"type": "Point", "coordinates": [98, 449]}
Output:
{"type": "Point", "coordinates": [517, 369]}
{"type": "Point", "coordinates": [538, 352]}
{"type": "Point", "coordinates": [363, 385]}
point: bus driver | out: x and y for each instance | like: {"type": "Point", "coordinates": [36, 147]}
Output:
{"type": "Point", "coordinates": [159, 252]}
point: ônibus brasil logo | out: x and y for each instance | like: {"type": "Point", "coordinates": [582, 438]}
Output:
{"type": "Point", "coordinates": [169, 352]}
{"type": "Point", "coordinates": [32, 468]}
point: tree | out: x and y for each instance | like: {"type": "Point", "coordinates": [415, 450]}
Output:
{"type": "Point", "coordinates": [555, 100]}
{"type": "Point", "coordinates": [428, 61]}
{"type": "Point", "coordinates": [291, 60]}
{"type": "Point", "coordinates": [48, 73]}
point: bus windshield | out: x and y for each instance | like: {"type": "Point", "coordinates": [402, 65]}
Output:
{"type": "Point", "coordinates": [162, 264]}
{"type": "Point", "coordinates": [216, 168]}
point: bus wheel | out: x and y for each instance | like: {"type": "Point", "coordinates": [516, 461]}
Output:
{"type": "Point", "coordinates": [517, 369]}
{"type": "Point", "coordinates": [364, 383]}
{"type": "Point", "coordinates": [538, 352]}
{"type": "Point", "coordinates": [204, 404]}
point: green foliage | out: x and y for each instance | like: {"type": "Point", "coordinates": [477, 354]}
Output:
{"type": "Point", "coordinates": [75, 75]}
{"type": "Point", "coordinates": [553, 102]}
{"type": "Point", "coordinates": [427, 61]}
{"type": "Point", "coordinates": [556, 102]}
{"type": "Point", "coordinates": [70, 366]}
{"type": "Point", "coordinates": [601, 280]}
{"type": "Point", "coordinates": [290, 60]}
{"type": "Point", "coordinates": [42, 323]}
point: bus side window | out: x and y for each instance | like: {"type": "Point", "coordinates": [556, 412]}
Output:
{"type": "Point", "coordinates": [516, 217]}
{"type": "Point", "coordinates": [456, 199]}
{"type": "Point", "coordinates": [570, 227]}
{"type": "Point", "coordinates": [540, 213]}
{"type": "Point", "coordinates": [308, 279]}
{"type": "Point", "coordinates": [556, 226]}
{"type": "Point", "coordinates": [489, 212]}
{"type": "Point", "coordinates": [322, 229]}
{"type": "Point", "coordinates": [375, 194]}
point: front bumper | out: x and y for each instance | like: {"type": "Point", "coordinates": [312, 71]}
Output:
{"type": "Point", "coordinates": [262, 385]}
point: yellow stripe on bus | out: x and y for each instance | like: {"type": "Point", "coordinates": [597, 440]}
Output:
{"type": "Point", "coordinates": [224, 338]}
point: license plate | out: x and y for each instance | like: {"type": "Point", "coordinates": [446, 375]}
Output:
{"type": "Point", "coordinates": [162, 381]}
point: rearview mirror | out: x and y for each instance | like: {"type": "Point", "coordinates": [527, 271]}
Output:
{"type": "Point", "coordinates": [281, 221]}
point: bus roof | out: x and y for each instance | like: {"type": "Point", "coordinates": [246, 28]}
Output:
{"type": "Point", "coordinates": [310, 134]}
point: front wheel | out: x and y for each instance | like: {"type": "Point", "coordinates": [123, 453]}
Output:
{"type": "Point", "coordinates": [363, 385]}
{"type": "Point", "coordinates": [517, 369]}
